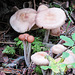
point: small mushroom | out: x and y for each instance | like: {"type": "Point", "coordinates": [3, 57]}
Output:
{"type": "Point", "coordinates": [23, 20]}
{"type": "Point", "coordinates": [22, 38]}
{"type": "Point", "coordinates": [30, 39]}
{"type": "Point", "coordinates": [51, 18]}
{"type": "Point", "coordinates": [58, 48]}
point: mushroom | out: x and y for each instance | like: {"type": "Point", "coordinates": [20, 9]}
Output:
{"type": "Point", "coordinates": [41, 8]}
{"type": "Point", "coordinates": [38, 58]}
{"type": "Point", "coordinates": [70, 52]}
{"type": "Point", "coordinates": [58, 48]}
{"type": "Point", "coordinates": [27, 47]}
{"type": "Point", "coordinates": [23, 37]}
{"type": "Point", "coordinates": [69, 60]}
{"type": "Point", "coordinates": [30, 39]}
{"type": "Point", "coordinates": [51, 18]}
{"type": "Point", "coordinates": [23, 20]}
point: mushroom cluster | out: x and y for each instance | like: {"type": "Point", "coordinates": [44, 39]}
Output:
{"type": "Point", "coordinates": [50, 19]}
{"type": "Point", "coordinates": [59, 48]}
{"type": "Point", "coordinates": [27, 46]}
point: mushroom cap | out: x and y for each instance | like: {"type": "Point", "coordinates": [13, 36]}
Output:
{"type": "Point", "coordinates": [21, 37]}
{"type": "Point", "coordinates": [30, 39]}
{"type": "Point", "coordinates": [51, 18]}
{"type": "Point", "coordinates": [70, 52]}
{"type": "Point", "coordinates": [56, 49]}
{"type": "Point", "coordinates": [69, 60]}
{"type": "Point", "coordinates": [41, 8]}
{"type": "Point", "coordinates": [23, 20]}
{"type": "Point", "coordinates": [26, 36]}
{"type": "Point", "coordinates": [39, 58]}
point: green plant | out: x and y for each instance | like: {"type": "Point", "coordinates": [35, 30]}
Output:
{"type": "Point", "coordinates": [56, 67]}
{"type": "Point", "coordinates": [59, 67]}
{"type": "Point", "coordinates": [9, 50]}
{"type": "Point", "coordinates": [69, 42]}
{"type": "Point", "coordinates": [38, 46]}
{"type": "Point", "coordinates": [38, 70]}
{"type": "Point", "coordinates": [19, 45]}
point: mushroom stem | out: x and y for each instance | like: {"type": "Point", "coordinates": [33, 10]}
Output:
{"type": "Point", "coordinates": [46, 36]}
{"type": "Point", "coordinates": [55, 32]}
{"type": "Point", "coordinates": [43, 72]}
{"type": "Point", "coordinates": [29, 52]}
{"type": "Point", "coordinates": [25, 51]}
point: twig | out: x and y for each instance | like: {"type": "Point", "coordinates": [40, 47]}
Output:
{"type": "Point", "coordinates": [70, 31]}
{"type": "Point", "coordinates": [8, 42]}
{"type": "Point", "coordinates": [34, 4]}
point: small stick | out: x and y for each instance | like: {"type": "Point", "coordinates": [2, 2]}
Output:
{"type": "Point", "coordinates": [34, 5]}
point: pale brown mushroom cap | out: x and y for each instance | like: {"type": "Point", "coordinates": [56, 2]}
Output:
{"type": "Point", "coordinates": [39, 58]}
{"type": "Point", "coordinates": [56, 49]}
{"type": "Point", "coordinates": [41, 8]}
{"type": "Point", "coordinates": [23, 20]}
{"type": "Point", "coordinates": [71, 53]}
{"type": "Point", "coordinates": [69, 60]}
{"type": "Point", "coordinates": [51, 18]}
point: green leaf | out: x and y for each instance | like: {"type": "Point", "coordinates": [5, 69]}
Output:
{"type": "Point", "coordinates": [63, 67]}
{"type": "Point", "coordinates": [69, 42]}
{"type": "Point", "coordinates": [73, 50]}
{"type": "Point", "coordinates": [18, 43]}
{"type": "Point", "coordinates": [45, 67]}
{"type": "Point", "coordinates": [51, 59]}
{"type": "Point", "coordinates": [73, 65]}
{"type": "Point", "coordinates": [38, 70]}
{"type": "Point", "coordinates": [65, 55]}
{"type": "Point", "coordinates": [16, 39]}
{"type": "Point", "coordinates": [73, 36]}
{"type": "Point", "coordinates": [55, 68]}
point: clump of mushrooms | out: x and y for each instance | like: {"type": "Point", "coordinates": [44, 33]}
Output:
{"type": "Point", "coordinates": [23, 20]}
{"type": "Point", "coordinates": [27, 48]}
{"type": "Point", "coordinates": [50, 19]}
